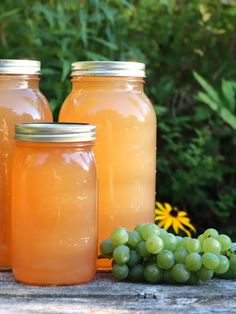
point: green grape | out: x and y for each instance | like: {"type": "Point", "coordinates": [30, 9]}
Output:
{"type": "Point", "coordinates": [134, 258]}
{"type": "Point", "coordinates": [170, 242]}
{"type": "Point", "coordinates": [120, 272]}
{"type": "Point", "coordinates": [225, 242]}
{"type": "Point", "coordinates": [193, 261]}
{"type": "Point", "coordinates": [210, 260]}
{"type": "Point", "coordinates": [180, 273]}
{"type": "Point", "coordinates": [149, 230]}
{"type": "Point", "coordinates": [201, 238]}
{"type": "Point", "coordinates": [223, 265]}
{"type": "Point", "coordinates": [152, 273]}
{"type": "Point", "coordinates": [167, 277]}
{"type": "Point", "coordinates": [211, 233]}
{"type": "Point", "coordinates": [165, 259]}
{"type": "Point", "coordinates": [179, 240]}
{"type": "Point", "coordinates": [229, 274]}
{"type": "Point", "coordinates": [154, 244]}
{"type": "Point", "coordinates": [232, 261]}
{"type": "Point", "coordinates": [136, 273]}
{"type": "Point", "coordinates": [204, 273]}
{"type": "Point", "coordinates": [180, 254]}
{"type": "Point", "coordinates": [119, 236]}
{"type": "Point", "coordinates": [163, 234]}
{"type": "Point", "coordinates": [211, 245]}
{"type": "Point", "coordinates": [193, 280]}
{"type": "Point", "coordinates": [139, 227]}
{"type": "Point", "coordinates": [193, 245]}
{"type": "Point", "coordinates": [106, 248]}
{"type": "Point", "coordinates": [141, 249]}
{"type": "Point", "coordinates": [121, 254]}
{"type": "Point", "coordinates": [185, 241]}
{"type": "Point", "coordinates": [134, 238]}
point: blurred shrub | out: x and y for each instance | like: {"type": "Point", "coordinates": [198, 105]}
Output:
{"type": "Point", "coordinates": [224, 103]}
{"type": "Point", "coordinates": [196, 155]}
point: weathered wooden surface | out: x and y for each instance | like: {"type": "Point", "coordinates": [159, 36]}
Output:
{"type": "Point", "coordinates": [103, 295]}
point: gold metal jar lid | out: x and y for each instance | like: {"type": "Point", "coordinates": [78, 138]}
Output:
{"type": "Point", "coordinates": [108, 68]}
{"type": "Point", "coordinates": [11, 66]}
{"type": "Point", "coordinates": [55, 132]}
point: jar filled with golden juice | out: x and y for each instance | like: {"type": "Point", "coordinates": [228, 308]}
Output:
{"type": "Point", "coordinates": [20, 101]}
{"type": "Point", "coordinates": [110, 95]}
{"type": "Point", "coordinates": [54, 210]}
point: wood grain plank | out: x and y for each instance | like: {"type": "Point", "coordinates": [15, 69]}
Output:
{"type": "Point", "coordinates": [103, 295]}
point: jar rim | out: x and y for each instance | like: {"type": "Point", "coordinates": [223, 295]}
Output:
{"type": "Point", "coordinates": [15, 66]}
{"type": "Point", "coordinates": [108, 68]}
{"type": "Point", "coordinates": [55, 132]}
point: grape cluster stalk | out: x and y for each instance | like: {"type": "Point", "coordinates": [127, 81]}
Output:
{"type": "Point", "coordinates": [151, 254]}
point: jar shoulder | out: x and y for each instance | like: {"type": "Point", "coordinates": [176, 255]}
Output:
{"type": "Point", "coordinates": [24, 103]}
{"type": "Point", "coordinates": [124, 103]}
{"type": "Point", "coordinates": [54, 157]}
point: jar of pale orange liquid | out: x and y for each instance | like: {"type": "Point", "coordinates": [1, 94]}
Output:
{"type": "Point", "coordinates": [20, 101]}
{"type": "Point", "coordinates": [110, 95]}
{"type": "Point", "coordinates": [54, 217]}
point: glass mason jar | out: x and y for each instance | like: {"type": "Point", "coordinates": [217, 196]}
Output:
{"type": "Point", "coordinates": [54, 212]}
{"type": "Point", "coordinates": [20, 101]}
{"type": "Point", "coordinates": [110, 95]}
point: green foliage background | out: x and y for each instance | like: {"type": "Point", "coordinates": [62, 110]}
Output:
{"type": "Point", "coordinates": [196, 147]}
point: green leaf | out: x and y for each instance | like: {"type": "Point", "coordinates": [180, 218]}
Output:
{"type": "Point", "coordinates": [65, 70]}
{"type": "Point", "coordinates": [203, 97]}
{"type": "Point", "coordinates": [48, 71]}
{"type": "Point", "coordinates": [202, 113]}
{"type": "Point", "coordinates": [49, 15]}
{"type": "Point", "coordinates": [61, 17]}
{"type": "Point", "coordinates": [105, 43]}
{"type": "Point", "coordinates": [228, 117]}
{"type": "Point", "coordinates": [83, 16]}
{"type": "Point", "coordinates": [160, 110]}
{"type": "Point", "coordinates": [212, 93]}
{"type": "Point", "coordinates": [109, 13]}
{"type": "Point", "coordinates": [170, 4]}
{"type": "Point", "coordinates": [95, 56]}
{"type": "Point", "coordinates": [232, 11]}
{"type": "Point", "coordinates": [53, 105]}
{"type": "Point", "coordinates": [8, 14]}
{"type": "Point", "coordinates": [229, 92]}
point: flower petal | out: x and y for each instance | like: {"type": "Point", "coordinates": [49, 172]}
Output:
{"type": "Point", "coordinates": [181, 227]}
{"type": "Point", "coordinates": [182, 213]}
{"type": "Point", "coordinates": [187, 223]}
{"type": "Point", "coordinates": [188, 233]}
{"type": "Point", "coordinates": [175, 227]}
{"type": "Point", "coordinates": [160, 217]}
{"type": "Point", "coordinates": [161, 223]}
{"type": "Point", "coordinates": [168, 207]}
{"type": "Point", "coordinates": [160, 206]}
{"type": "Point", "coordinates": [168, 223]}
{"type": "Point", "coordinates": [158, 211]}
{"type": "Point", "coordinates": [184, 219]}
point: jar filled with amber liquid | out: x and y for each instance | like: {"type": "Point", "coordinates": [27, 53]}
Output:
{"type": "Point", "coordinates": [20, 101]}
{"type": "Point", "coordinates": [54, 204]}
{"type": "Point", "coordinates": [111, 96]}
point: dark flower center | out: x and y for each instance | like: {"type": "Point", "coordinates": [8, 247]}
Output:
{"type": "Point", "coordinates": [173, 213]}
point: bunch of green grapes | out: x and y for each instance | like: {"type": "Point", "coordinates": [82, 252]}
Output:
{"type": "Point", "coordinates": [152, 254]}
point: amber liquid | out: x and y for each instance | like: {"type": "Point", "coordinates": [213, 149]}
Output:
{"type": "Point", "coordinates": [20, 101]}
{"type": "Point", "coordinates": [54, 218]}
{"type": "Point", "coordinates": [125, 149]}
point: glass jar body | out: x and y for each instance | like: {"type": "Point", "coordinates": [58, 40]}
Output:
{"type": "Point", "coordinates": [125, 149]}
{"type": "Point", "coordinates": [20, 101]}
{"type": "Point", "coordinates": [54, 218]}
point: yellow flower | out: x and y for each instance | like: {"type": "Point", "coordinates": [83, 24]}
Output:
{"type": "Point", "coordinates": [169, 216]}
